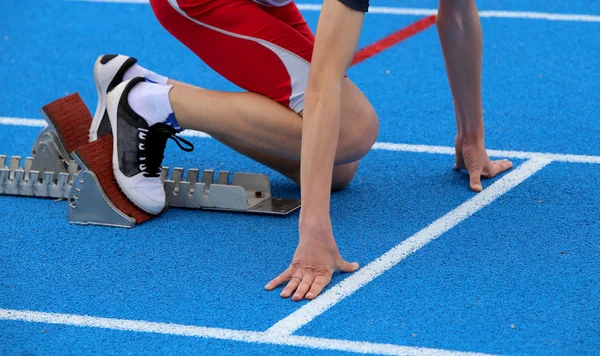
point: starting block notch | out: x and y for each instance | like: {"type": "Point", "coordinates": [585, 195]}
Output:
{"type": "Point", "coordinates": [248, 192]}
{"type": "Point", "coordinates": [24, 181]}
{"type": "Point", "coordinates": [52, 172]}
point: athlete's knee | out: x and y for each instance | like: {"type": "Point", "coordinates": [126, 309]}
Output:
{"type": "Point", "coordinates": [360, 131]}
{"type": "Point", "coordinates": [343, 175]}
{"type": "Point", "coordinates": [368, 129]}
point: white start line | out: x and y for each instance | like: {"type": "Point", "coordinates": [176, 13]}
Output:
{"type": "Point", "coordinates": [530, 15]}
{"type": "Point", "coordinates": [223, 334]}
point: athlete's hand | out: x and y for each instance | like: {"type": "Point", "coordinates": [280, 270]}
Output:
{"type": "Point", "coordinates": [471, 155]}
{"type": "Point", "coordinates": [314, 262]}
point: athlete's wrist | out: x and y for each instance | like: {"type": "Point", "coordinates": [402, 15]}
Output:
{"type": "Point", "coordinates": [472, 130]}
{"type": "Point", "coordinates": [314, 219]}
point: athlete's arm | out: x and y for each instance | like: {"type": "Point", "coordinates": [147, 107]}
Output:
{"type": "Point", "coordinates": [460, 34]}
{"type": "Point", "coordinates": [317, 255]}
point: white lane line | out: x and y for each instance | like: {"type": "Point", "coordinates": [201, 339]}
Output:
{"type": "Point", "coordinates": [363, 276]}
{"type": "Point", "coordinates": [446, 150]}
{"type": "Point", "coordinates": [219, 333]}
{"type": "Point", "coordinates": [16, 121]}
{"type": "Point", "coordinates": [530, 15]}
{"type": "Point", "coordinates": [539, 16]}
{"type": "Point", "coordinates": [383, 146]}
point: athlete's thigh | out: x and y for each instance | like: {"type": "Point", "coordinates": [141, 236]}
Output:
{"type": "Point", "coordinates": [290, 15]}
{"type": "Point", "coordinates": [244, 43]}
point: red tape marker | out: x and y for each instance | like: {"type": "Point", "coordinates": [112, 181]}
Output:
{"type": "Point", "coordinates": [393, 39]}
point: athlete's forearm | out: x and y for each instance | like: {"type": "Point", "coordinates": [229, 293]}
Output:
{"type": "Point", "coordinates": [460, 35]}
{"type": "Point", "coordinates": [336, 40]}
{"type": "Point", "coordinates": [320, 131]}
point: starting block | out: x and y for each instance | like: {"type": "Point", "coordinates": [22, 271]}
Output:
{"type": "Point", "coordinates": [64, 165]}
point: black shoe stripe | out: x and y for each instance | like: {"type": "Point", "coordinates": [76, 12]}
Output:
{"type": "Point", "coordinates": [107, 58]}
{"type": "Point", "coordinates": [120, 73]}
{"type": "Point", "coordinates": [104, 126]}
{"type": "Point", "coordinates": [131, 116]}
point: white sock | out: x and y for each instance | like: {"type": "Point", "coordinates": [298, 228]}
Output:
{"type": "Point", "coordinates": [151, 101]}
{"type": "Point", "coordinates": [139, 71]}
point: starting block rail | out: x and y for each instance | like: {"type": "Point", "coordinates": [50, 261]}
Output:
{"type": "Point", "coordinates": [25, 181]}
{"type": "Point", "coordinates": [54, 172]}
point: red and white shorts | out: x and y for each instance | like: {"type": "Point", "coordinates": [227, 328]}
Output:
{"type": "Point", "coordinates": [262, 49]}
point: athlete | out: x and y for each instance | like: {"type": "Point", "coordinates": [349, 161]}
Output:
{"type": "Point", "coordinates": [266, 48]}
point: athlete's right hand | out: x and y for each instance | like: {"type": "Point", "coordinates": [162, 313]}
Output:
{"type": "Point", "coordinates": [471, 155]}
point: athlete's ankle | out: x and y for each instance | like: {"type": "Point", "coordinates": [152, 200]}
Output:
{"type": "Point", "coordinates": [151, 101]}
{"type": "Point", "coordinates": [138, 71]}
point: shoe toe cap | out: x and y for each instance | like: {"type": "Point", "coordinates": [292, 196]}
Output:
{"type": "Point", "coordinates": [151, 196]}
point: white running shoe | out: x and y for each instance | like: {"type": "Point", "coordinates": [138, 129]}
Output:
{"type": "Point", "coordinates": [138, 150]}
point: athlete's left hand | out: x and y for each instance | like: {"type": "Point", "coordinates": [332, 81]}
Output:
{"type": "Point", "coordinates": [314, 262]}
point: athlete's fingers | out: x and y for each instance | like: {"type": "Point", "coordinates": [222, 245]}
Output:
{"type": "Point", "coordinates": [475, 179]}
{"type": "Point", "coordinates": [347, 266]}
{"type": "Point", "coordinates": [304, 286]}
{"type": "Point", "coordinates": [291, 286]}
{"type": "Point", "coordinates": [319, 283]}
{"type": "Point", "coordinates": [459, 162]}
{"type": "Point", "coordinates": [282, 278]}
{"type": "Point", "coordinates": [497, 167]}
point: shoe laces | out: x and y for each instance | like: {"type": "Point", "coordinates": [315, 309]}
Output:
{"type": "Point", "coordinates": [152, 145]}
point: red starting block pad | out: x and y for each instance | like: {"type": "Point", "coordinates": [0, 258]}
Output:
{"type": "Point", "coordinates": [95, 197]}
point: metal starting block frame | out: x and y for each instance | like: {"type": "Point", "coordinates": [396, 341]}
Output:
{"type": "Point", "coordinates": [247, 192]}
{"type": "Point", "coordinates": [52, 172]}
